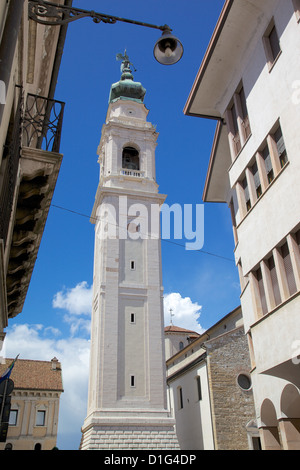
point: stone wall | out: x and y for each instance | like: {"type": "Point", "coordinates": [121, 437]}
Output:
{"type": "Point", "coordinates": [130, 438]}
{"type": "Point", "coordinates": [232, 407]}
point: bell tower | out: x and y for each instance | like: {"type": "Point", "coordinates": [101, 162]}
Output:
{"type": "Point", "coordinates": [127, 406]}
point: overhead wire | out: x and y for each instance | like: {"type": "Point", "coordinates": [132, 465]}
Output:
{"type": "Point", "coordinates": [162, 239]}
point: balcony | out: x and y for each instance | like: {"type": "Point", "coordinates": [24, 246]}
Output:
{"type": "Point", "coordinates": [132, 173]}
{"type": "Point", "coordinates": [31, 166]}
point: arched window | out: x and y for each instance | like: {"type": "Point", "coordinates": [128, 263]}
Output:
{"type": "Point", "coordinates": [38, 446]}
{"type": "Point", "coordinates": [180, 345]}
{"type": "Point", "coordinates": [130, 159]}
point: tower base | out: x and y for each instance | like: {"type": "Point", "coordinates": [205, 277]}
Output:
{"type": "Point", "coordinates": [129, 437]}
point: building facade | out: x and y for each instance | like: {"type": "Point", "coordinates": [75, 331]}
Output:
{"type": "Point", "coordinates": [33, 419]}
{"type": "Point", "coordinates": [210, 389]}
{"type": "Point", "coordinates": [127, 405]}
{"type": "Point", "coordinates": [177, 338]}
{"type": "Point", "coordinates": [255, 168]}
{"type": "Point", "coordinates": [30, 158]}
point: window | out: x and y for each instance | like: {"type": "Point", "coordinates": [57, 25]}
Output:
{"type": "Point", "coordinates": [263, 168]}
{"type": "Point", "coordinates": [180, 398]}
{"type": "Point", "coordinates": [274, 280]}
{"type": "Point", "coordinates": [268, 164]}
{"type": "Point", "coordinates": [244, 113]}
{"type": "Point", "coordinates": [238, 122]}
{"type": "Point", "coordinates": [132, 381]}
{"type": "Point", "coordinates": [132, 318]}
{"type": "Point", "coordinates": [235, 130]}
{"type": "Point", "coordinates": [13, 416]}
{"type": "Point", "coordinates": [278, 276]}
{"type": "Point", "coordinates": [274, 43]}
{"type": "Point", "coordinates": [281, 150]}
{"type": "Point", "coordinates": [271, 44]}
{"type": "Point", "coordinates": [246, 193]}
{"type": "Point", "coordinates": [296, 4]}
{"type": "Point", "coordinates": [199, 391]}
{"type": "Point", "coordinates": [288, 268]}
{"type": "Point", "coordinates": [261, 289]}
{"type": "Point", "coordinates": [40, 418]}
{"type": "Point", "coordinates": [244, 381]}
{"type": "Point", "coordinates": [132, 265]}
{"type": "Point", "coordinates": [130, 159]}
{"type": "Point", "coordinates": [180, 345]}
{"type": "Point", "coordinates": [297, 238]}
{"type": "Point", "coordinates": [257, 184]}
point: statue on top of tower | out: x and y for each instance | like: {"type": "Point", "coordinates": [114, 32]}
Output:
{"type": "Point", "coordinates": [125, 62]}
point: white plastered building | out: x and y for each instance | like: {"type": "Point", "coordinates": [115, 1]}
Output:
{"type": "Point", "coordinates": [249, 82]}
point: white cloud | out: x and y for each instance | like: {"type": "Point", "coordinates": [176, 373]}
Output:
{"type": "Point", "coordinates": [185, 312]}
{"type": "Point", "coordinates": [30, 342]}
{"type": "Point", "coordinates": [43, 343]}
{"type": "Point", "coordinates": [77, 301]}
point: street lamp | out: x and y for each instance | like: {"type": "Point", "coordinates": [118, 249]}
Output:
{"type": "Point", "coordinates": [167, 50]}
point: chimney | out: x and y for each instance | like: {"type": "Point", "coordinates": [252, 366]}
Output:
{"type": "Point", "coordinates": [54, 362]}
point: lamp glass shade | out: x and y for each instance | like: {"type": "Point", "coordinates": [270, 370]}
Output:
{"type": "Point", "coordinates": [168, 49]}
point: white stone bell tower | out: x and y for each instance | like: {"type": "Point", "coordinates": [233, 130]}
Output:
{"type": "Point", "coordinates": [127, 406]}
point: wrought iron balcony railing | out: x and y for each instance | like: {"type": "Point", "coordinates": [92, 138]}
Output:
{"type": "Point", "coordinates": [42, 123]}
{"type": "Point", "coordinates": [37, 125]}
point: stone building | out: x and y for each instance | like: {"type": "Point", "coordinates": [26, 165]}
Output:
{"type": "Point", "coordinates": [210, 389]}
{"type": "Point", "coordinates": [254, 167]}
{"type": "Point", "coordinates": [33, 419]}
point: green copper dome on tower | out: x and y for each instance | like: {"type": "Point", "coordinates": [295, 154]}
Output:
{"type": "Point", "coordinates": [126, 88]}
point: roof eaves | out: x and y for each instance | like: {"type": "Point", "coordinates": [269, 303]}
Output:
{"type": "Point", "coordinates": [209, 52]}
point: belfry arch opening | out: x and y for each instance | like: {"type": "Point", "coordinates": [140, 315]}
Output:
{"type": "Point", "coordinates": [130, 158]}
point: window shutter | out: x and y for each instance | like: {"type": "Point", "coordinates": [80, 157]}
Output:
{"type": "Point", "coordinates": [288, 269]}
{"type": "Point", "coordinates": [279, 141]}
{"type": "Point", "coordinates": [247, 194]}
{"type": "Point", "coordinates": [267, 159]}
{"type": "Point", "coordinates": [255, 173]}
{"type": "Point", "coordinates": [274, 280]}
{"type": "Point", "coordinates": [280, 147]}
{"type": "Point", "coordinates": [261, 292]}
{"type": "Point", "coordinates": [274, 43]}
{"type": "Point", "coordinates": [297, 236]}
{"type": "Point", "coordinates": [245, 116]}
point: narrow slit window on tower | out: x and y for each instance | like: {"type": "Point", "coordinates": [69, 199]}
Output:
{"type": "Point", "coordinates": [132, 265]}
{"type": "Point", "coordinates": [132, 318]}
{"type": "Point", "coordinates": [132, 381]}
{"type": "Point", "coordinates": [199, 391]}
{"type": "Point", "coordinates": [180, 398]}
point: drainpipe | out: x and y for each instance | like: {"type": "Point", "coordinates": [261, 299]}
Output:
{"type": "Point", "coordinates": [8, 43]}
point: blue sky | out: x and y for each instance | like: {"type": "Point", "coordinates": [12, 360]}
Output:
{"type": "Point", "coordinates": [56, 315]}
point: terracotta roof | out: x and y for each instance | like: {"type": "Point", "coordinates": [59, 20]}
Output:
{"type": "Point", "coordinates": [34, 375]}
{"type": "Point", "coordinates": [177, 329]}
